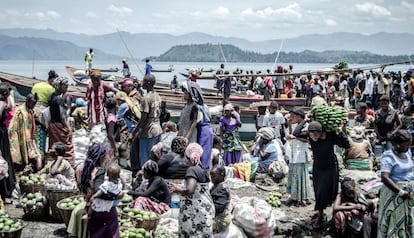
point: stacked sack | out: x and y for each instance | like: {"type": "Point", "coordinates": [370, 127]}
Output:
{"type": "Point", "coordinates": [81, 143]}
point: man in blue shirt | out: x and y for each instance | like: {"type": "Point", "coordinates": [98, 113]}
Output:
{"type": "Point", "coordinates": [148, 67]}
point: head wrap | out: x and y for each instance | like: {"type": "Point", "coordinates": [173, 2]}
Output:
{"type": "Point", "coordinates": [179, 144]}
{"type": "Point", "coordinates": [151, 167]}
{"type": "Point", "coordinates": [132, 104]}
{"type": "Point", "coordinates": [80, 102]}
{"type": "Point", "coordinates": [171, 126]}
{"type": "Point", "coordinates": [195, 91]}
{"type": "Point", "coordinates": [228, 107]}
{"type": "Point", "coordinates": [127, 82]}
{"type": "Point", "coordinates": [52, 74]}
{"type": "Point", "coordinates": [298, 111]}
{"type": "Point", "coordinates": [59, 81]}
{"type": "Point", "coordinates": [95, 153]}
{"type": "Point", "coordinates": [96, 73]}
{"type": "Point", "coordinates": [266, 133]}
{"type": "Point", "coordinates": [357, 133]}
{"type": "Point", "coordinates": [401, 136]}
{"type": "Point", "coordinates": [193, 153]}
{"type": "Point", "coordinates": [159, 149]}
{"type": "Point", "coordinates": [314, 126]}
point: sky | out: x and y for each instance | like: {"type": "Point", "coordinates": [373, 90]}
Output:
{"type": "Point", "coordinates": [253, 20]}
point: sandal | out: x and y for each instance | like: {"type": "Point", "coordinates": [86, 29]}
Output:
{"type": "Point", "coordinates": [300, 204]}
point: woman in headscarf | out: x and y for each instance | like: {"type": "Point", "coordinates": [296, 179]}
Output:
{"type": "Point", "coordinates": [6, 184]}
{"type": "Point", "coordinates": [196, 208]}
{"type": "Point", "coordinates": [89, 176]}
{"type": "Point", "coordinates": [195, 120]}
{"type": "Point", "coordinates": [95, 94]}
{"type": "Point", "coordinates": [395, 208]}
{"type": "Point", "coordinates": [21, 132]}
{"type": "Point", "coordinates": [174, 165]}
{"type": "Point", "coordinates": [325, 174]}
{"type": "Point", "coordinates": [154, 196]}
{"type": "Point", "coordinates": [269, 149]}
{"type": "Point", "coordinates": [229, 125]}
{"type": "Point", "coordinates": [59, 128]}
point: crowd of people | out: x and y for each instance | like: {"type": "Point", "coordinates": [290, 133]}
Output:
{"type": "Point", "coordinates": [189, 160]}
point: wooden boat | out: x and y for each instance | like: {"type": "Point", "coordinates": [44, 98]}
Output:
{"type": "Point", "coordinates": [202, 70]}
{"type": "Point", "coordinates": [24, 85]}
{"type": "Point", "coordinates": [162, 70]}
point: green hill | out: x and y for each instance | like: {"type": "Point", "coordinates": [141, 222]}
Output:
{"type": "Point", "coordinates": [212, 53]}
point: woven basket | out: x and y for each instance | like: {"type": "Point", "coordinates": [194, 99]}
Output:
{"type": "Point", "coordinates": [32, 188]}
{"type": "Point", "coordinates": [12, 234]}
{"type": "Point", "coordinates": [35, 213]}
{"type": "Point", "coordinates": [66, 213]}
{"type": "Point", "coordinates": [55, 196]}
{"type": "Point", "coordinates": [149, 225]}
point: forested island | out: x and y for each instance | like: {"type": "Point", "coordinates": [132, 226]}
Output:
{"type": "Point", "coordinates": [217, 53]}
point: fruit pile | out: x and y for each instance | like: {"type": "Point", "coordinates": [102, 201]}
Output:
{"type": "Point", "coordinates": [136, 213]}
{"type": "Point", "coordinates": [32, 179]}
{"type": "Point", "coordinates": [7, 224]}
{"type": "Point", "coordinates": [274, 199]}
{"type": "Point", "coordinates": [127, 199]}
{"type": "Point", "coordinates": [329, 117]}
{"type": "Point", "coordinates": [135, 233]}
{"type": "Point", "coordinates": [33, 201]}
{"type": "Point", "coordinates": [125, 223]}
{"type": "Point", "coordinates": [70, 203]}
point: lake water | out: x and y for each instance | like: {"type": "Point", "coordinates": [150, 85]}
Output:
{"type": "Point", "coordinates": [39, 69]}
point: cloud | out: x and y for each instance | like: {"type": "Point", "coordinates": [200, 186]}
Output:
{"type": "Point", "coordinates": [120, 11]}
{"type": "Point", "coordinates": [371, 9]}
{"type": "Point", "coordinates": [91, 15]}
{"type": "Point", "coordinates": [330, 22]}
{"type": "Point", "coordinates": [408, 6]}
{"type": "Point", "coordinates": [48, 15]}
{"type": "Point", "coordinates": [292, 10]}
{"type": "Point", "coordinates": [221, 11]}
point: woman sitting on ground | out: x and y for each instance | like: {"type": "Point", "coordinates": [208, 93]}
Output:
{"type": "Point", "coordinates": [155, 192]}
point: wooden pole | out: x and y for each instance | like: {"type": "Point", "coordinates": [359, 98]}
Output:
{"type": "Point", "coordinates": [130, 54]}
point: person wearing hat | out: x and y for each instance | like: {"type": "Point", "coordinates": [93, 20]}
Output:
{"type": "Point", "coordinates": [325, 173]}
{"type": "Point", "coordinates": [274, 119]}
{"type": "Point", "coordinates": [95, 95]}
{"type": "Point", "coordinates": [395, 207]}
{"type": "Point", "coordinates": [59, 128]}
{"type": "Point", "coordinates": [387, 122]}
{"type": "Point", "coordinates": [125, 69]}
{"type": "Point", "coordinates": [269, 151]}
{"type": "Point", "coordinates": [298, 185]}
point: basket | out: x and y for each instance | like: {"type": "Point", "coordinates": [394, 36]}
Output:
{"type": "Point", "coordinates": [32, 188]}
{"type": "Point", "coordinates": [12, 234]}
{"type": "Point", "coordinates": [149, 225]}
{"type": "Point", "coordinates": [35, 213]}
{"type": "Point", "coordinates": [54, 196]}
{"type": "Point", "coordinates": [66, 213]}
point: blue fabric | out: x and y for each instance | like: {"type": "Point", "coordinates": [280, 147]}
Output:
{"type": "Point", "coordinates": [123, 108]}
{"type": "Point", "coordinates": [205, 139]}
{"type": "Point", "coordinates": [270, 148]}
{"type": "Point", "coordinates": [145, 146]}
{"type": "Point", "coordinates": [399, 169]}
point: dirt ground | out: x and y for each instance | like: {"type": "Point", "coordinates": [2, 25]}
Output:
{"type": "Point", "coordinates": [295, 223]}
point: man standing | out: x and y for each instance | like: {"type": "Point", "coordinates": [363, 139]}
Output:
{"type": "Point", "coordinates": [148, 67]}
{"type": "Point", "coordinates": [88, 61]}
{"type": "Point", "coordinates": [125, 69]}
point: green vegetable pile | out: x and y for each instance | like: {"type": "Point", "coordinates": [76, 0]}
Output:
{"type": "Point", "coordinates": [7, 224]}
{"type": "Point", "coordinates": [329, 117]}
{"type": "Point", "coordinates": [274, 199]}
{"type": "Point", "coordinates": [32, 201]}
{"type": "Point", "coordinates": [135, 233]}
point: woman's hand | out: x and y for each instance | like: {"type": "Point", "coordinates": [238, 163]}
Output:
{"type": "Point", "coordinates": [290, 137]}
{"type": "Point", "coordinates": [173, 188]}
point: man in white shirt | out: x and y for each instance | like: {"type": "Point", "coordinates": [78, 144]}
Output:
{"type": "Point", "coordinates": [369, 88]}
{"type": "Point", "coordinates": [275, 120]}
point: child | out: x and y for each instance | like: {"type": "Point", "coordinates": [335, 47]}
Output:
{"type": "Point", "coordinates": [220, 194]}
{"type": "Point", "coordinates": [57, 166]}
{"type": "Point", "coordinates": [275, 120]}
{"type": "Point", "coordinates": [111, 188]}
{"type": "Point", "coordinates": [350, 208]}
{"type": "Point", "coordinates": [217, 152]}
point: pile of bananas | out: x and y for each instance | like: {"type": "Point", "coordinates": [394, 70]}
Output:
{"type": "Point", "coordinates": [274, 199]}
{"type": "Point", "coordinates": [329, 117]}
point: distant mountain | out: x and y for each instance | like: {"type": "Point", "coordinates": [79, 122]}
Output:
{"type": "Point", "coordinates": [212, 53]}
{"type": "Point", "coordinates": [152, 44]}
{"type": "Point", "coordinates": [23, 48]}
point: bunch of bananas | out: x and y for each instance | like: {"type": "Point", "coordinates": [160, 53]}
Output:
{"type": "Point", "coordinates": [329, 117]}
{"type": "Point", "coordinates": [274, 199]}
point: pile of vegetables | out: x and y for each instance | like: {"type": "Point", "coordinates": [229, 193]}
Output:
{"type": "Point", "coordinates": [329, 117]}
{"type": "Point", "coordinates": [274, 199]}
{"type": "Point", "coordinates": [8, 224]}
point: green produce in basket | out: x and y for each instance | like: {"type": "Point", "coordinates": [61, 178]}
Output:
{"type": "Point", "coordinates": [329, 117]}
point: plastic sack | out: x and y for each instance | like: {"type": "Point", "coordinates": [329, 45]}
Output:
{"type": "Point", "coordinates": [232, 231]}
{"type": "Point", "coordinates": [261, 224]}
